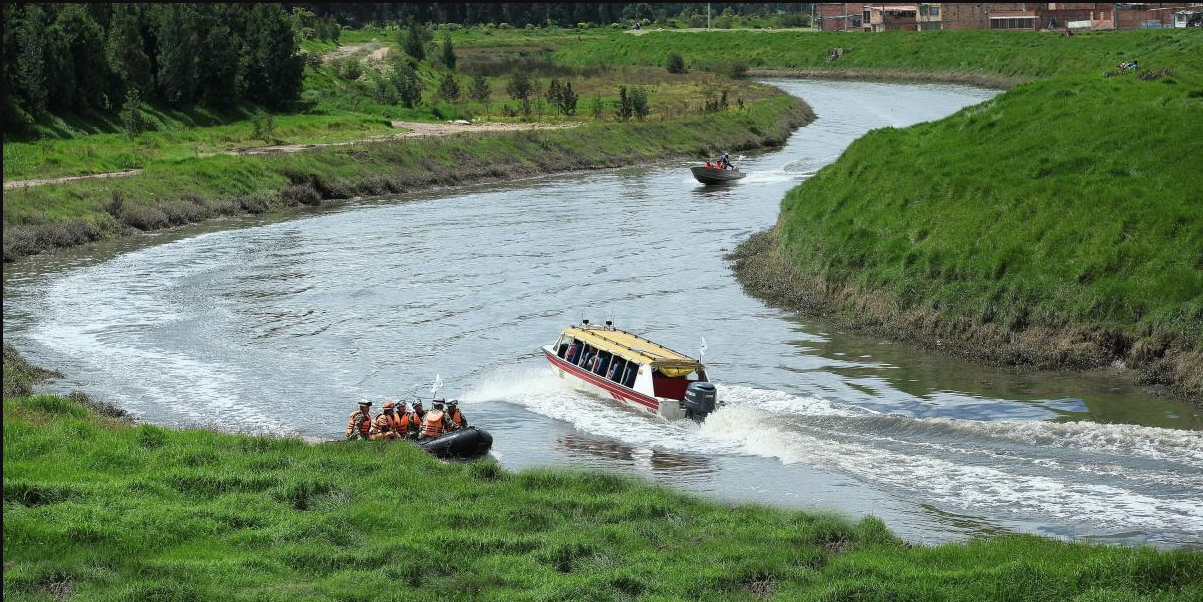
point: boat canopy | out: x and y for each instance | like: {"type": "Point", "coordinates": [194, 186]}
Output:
{"type": "Point", "coordinates": [635, 349]}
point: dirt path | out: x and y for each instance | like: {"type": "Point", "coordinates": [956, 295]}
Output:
{"type": "Point", "coordinates": [61, 179]}
{"type": "Point", "coordinates": [415, 130]}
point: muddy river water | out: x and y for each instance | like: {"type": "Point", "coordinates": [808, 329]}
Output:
{"type": "Point", "coordinates": [281, 324]}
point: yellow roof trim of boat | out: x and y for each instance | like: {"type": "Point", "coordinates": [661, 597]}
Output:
{"type": "Point", "coordinates": [631, 347]}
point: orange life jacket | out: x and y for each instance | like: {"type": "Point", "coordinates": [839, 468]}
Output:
{"type": "Point", "coordinates": [365, 427]}
{"type": "Point", "coordinates": [433, 424]}
{"type": "Point", "coordinates": [457, 417]}
{"type": "Point", "coordinates": [406, 421]}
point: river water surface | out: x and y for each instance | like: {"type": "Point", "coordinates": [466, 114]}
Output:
{"type": "Point", "coordinates": [281, 324]}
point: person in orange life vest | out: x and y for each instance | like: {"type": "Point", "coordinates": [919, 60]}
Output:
{"type": "Point", "coordinates": [359, 423]}
{"type": "Point", "coordinates": [435, 423]}
{"type": "Point", "coordinates": [419, 412]}
{"type": "Point", "coordinates": [455, 416]}
{"type": "Point", "coordinates": [386, 425]}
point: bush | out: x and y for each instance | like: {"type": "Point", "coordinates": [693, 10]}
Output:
{"type": "Point", "coordinates": [134, 119]}
{"type": "Point", "coordinates": [263, 126]}
{"type": "Point", "coordinates": [449, 89]}
{"type": "Point", "coordinates": [348, 68]}
{"type": "Point", "coordinates": [675, 63]}
{"type": "Point", "coordinates": [735, 69]}
{"type": "Point", "coordinates": [639, 104]}
{"type": "Point", "coordinates": [795, 20]}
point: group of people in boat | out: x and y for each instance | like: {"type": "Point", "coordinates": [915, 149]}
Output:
{"type": "Point", "coordinates": [723, 162]}
{"type": "Point", "coordinates": [404, 421]}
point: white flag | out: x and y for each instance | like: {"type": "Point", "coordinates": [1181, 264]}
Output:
{"type": "Point", "coordinates": [702, 350]}
{"type": "Point", "coordinates": [438, 384]}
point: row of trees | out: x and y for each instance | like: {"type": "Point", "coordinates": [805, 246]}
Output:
{"type": "Point", "coordinates": [75, 57]}
{"type": "Point", "coordinates": [566, 14]}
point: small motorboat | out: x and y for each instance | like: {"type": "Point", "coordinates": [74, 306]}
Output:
{"type": "Point", "coordinates": [716, 175]}
{"type": "Point", "coordinates": [633, 371]}
{"type": "Point", "coordinates": [463, 444]}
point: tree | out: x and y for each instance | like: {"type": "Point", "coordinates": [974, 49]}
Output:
{"type": "Point", "coordinates": [414, 38]}
{"type": "Point", "coordinates": [222, 64]}
{"type": "Point", "coordinates": [675, 64]}
{"type": "Point", "coordinates": [563, 97]}
{"type": "Point", "coordinates": [408, 85]}
{"type": "Point", "coordinates": [449, 88]}
{"type": "Point", "coordinates": [124, 50]}
{"type": "Point", "coordinates": [625, 108]}
{"type": "Point", "coordinates": [520, 88]}
{"type": "Point", "coordinates": [479, 91]}
{"type": "Point", "coordinates": [133, 114]}
{"type": "Point", "coordinates": [31, 60]}
{"type": "Point", "coordinates": [639, 104]}
{"type": "Point", "coordinates": [449, 58]}
{"type": "Point", "coordinates": [275, 70]}
{"type": "Point", "coordinates": [597, 107]}
{"type": "Point", "coordinates": [176, 32]}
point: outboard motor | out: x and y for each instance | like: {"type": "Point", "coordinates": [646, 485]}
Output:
{"type": "Point", "coordinates": [700, 399]}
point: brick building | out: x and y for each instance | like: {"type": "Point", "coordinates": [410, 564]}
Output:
{"type": "Point", "coordinates": [1030, 16]}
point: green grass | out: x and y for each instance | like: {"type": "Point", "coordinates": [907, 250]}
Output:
{"type": "Point", "coordinates": [104, 510]}
{"type": "Point", "coordinates": [1008, 54]}
{"type": "Point", "coordinates": [1033, 208]}
{"type": "Point", "coordinates": [176, 193]}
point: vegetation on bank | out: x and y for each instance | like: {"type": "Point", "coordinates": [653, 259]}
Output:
{"type": "Point", "coordinates": [995, 56]}
{"type": "Point", "coordinates": [98, 508]}
{"type": "Point", "coordinates": [171, 194]}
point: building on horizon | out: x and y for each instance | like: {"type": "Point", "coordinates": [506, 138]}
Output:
{"type": "Point", "coordinates": [1029, 16]}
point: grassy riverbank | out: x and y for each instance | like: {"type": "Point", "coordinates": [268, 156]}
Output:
{"type": "Point", "coordinates": [98, 508]}
{"type": "Point", "coordinates": [172, 194]}
{"type": "Point", "coordinates": [1052, 226]}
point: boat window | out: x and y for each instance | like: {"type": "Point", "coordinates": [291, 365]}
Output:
{"type": "Point", "coordinates": [616, 371]}
{"type": "Point", "coordinates": [562, 350]}
{"type": "Point", "coordinates": [586, 356]}
{"type": "Point", "coordinates": [603, 361]}
{"type": "Point", "coordinates": [632, 373]}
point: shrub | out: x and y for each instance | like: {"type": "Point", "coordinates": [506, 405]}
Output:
{"type": "Point", "coordinates": [449, 89]}
{"type": "Point", "coordinates": [348, 68]}
{"type": "Point", "coordinates": [734, 69]}
{"type": "Point", "coordinates": [263, 126]}
{"type": "Point", "coordinates": [301, 194]}
{"type": "Point", "coordinates": [597, 107]}
{"type": "Point", "coordinates": [639, 103]}
{"type": "Point", "coordinates": [675, 63]}
{"type": "Point", "coordinates": [408, 85]}
{"type": "Point", "coordinates": [133, 115]}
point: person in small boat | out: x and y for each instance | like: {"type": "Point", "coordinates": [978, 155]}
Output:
{"type": "Point", "coordinates": [359, 423]}
{"type": "Point", "coordinates": [387, 424]}
{"type": "Point", "coordinates": [724, 162]}
{"type": "Point", "coordinates": [419, 412]}
{"type": "Point", "coordinates": [435, 423]}
{"type": "Point", "coordinates": [455, 416]}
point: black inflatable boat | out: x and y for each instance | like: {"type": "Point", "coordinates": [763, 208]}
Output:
{"type": "Point", "coordinates": [465, 444]}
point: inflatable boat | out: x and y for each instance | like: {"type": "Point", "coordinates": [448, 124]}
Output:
{"type": "Point", "coordinates": [463, 444]}
{"type": "Point", "coordinates": [714, 175]}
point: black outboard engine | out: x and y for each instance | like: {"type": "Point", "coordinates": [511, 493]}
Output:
{"type": "Point", "coordinates": [700, 399]}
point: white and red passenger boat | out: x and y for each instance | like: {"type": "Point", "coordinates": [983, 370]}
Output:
{"type": "Point", "coordinates": [632, 370]}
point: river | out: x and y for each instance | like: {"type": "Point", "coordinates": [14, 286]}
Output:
{"type": "Point", "coordinates": [279, 324]}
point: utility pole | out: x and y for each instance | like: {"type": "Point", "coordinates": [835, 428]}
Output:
{"type": "Point", "coordinates": [707, 16]}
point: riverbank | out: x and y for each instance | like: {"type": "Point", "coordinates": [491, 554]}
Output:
{"type": "Point", "coordinates": [167, 195]}
{"type": "Point", "coordinates": [97, 506]}
{"type": "Point", "coordinates": [1046, 228]}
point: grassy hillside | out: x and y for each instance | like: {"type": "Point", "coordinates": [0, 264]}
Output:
{"type": "Point", "coordinates": [97, 508]}
{"type": "Point", "coordinates": [1002, 56]}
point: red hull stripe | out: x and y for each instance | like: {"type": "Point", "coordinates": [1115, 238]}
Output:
{"type": "Point", "coordinates": [597, 381]}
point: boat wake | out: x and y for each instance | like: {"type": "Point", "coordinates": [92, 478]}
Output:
{"type": "Point", "coordinates": [1108, 477]}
